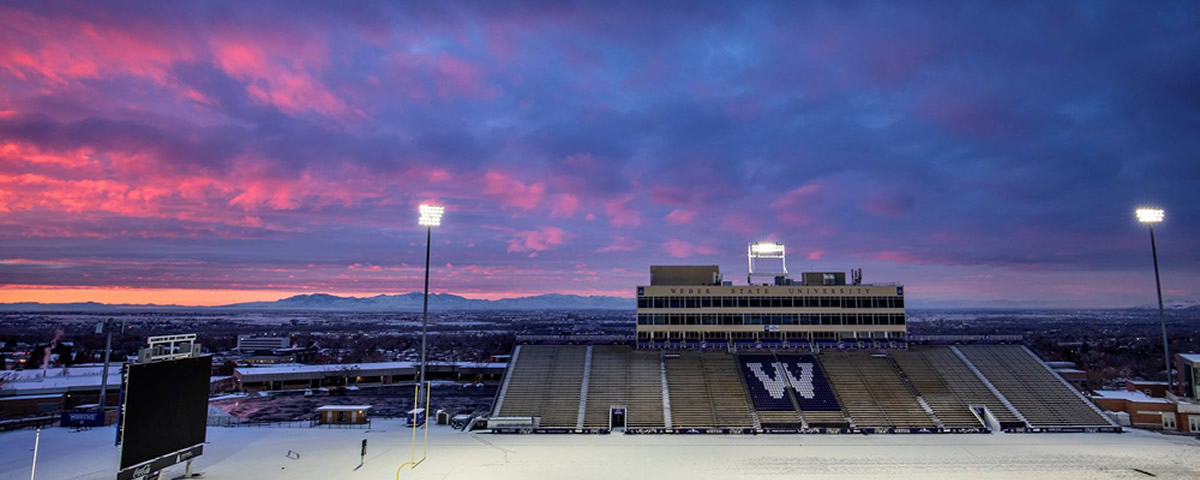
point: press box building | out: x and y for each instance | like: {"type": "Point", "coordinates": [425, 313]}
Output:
{"type": "Point", "coordinates": [691, 306]}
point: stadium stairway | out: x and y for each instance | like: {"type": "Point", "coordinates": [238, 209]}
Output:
{"type": "Point", "coordinates": [1042, 397]}
{"type": "Point", "coordinates": [666, 391]}
{"type": "Point", "coordinates": [583, 389]}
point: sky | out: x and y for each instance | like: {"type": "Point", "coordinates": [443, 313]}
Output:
{"type": "Point", "coordinates": [217, 152]}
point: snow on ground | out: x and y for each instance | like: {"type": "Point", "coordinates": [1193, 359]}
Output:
{"type": "Point", "coordinates": [260, 454]}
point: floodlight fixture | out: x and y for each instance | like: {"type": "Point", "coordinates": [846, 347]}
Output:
{"type": "Point", "coordinates": [766, 248]}
{"type": "Point", "coordinates": [431, 215]}
{"type": "Point", "coordinates": [1150, 215]}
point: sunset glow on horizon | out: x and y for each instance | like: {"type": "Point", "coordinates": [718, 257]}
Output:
{"type": "Point", "coordinates": [217, 153]}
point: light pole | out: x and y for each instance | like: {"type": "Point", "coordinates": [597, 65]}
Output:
{"type": "Point", "coordinates": [431, 216]}
{"type": "Point", "coordinates": [105, 326]}
{"type": "Point", "coordinates": [1151, 216]}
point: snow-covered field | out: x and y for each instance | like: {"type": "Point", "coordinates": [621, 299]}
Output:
{"type": "Point", "coordinates": [260, 454]}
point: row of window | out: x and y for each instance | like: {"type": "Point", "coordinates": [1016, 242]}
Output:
{"type": "Point", "coordinates": [770, 319]}
{"type": "Point", "coordinates": [770, 302]}
{"type": "Point", "coordinates": [789, 336]}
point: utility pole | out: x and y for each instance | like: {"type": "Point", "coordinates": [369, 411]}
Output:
{"type": "Point", "coordinates": [106, 327]}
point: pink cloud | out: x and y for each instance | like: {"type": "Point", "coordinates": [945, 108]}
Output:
{"type": "Point", "coordinates": [805, 194]}
{"type": "Point", "coordinates": [620, 213]}
{"type": "Point", "coordinates": [682, 249]}
{"type": "Point", "coordinates": [889, 205]}
{"type": "Point", "coordinates": [669, 195]}
{"type": "Point", "coordinates": [76, 158]}
{"type": "Point", "coordinates": [792, 208]}
{"type": "Point", "coordinates": [563, 205]}
{"type": "Point", "coordinates": [281, 71]}
{"type": "Point", "coordinates": [513, 193]}
{"type": "Point", "coordinates": [815, 255]}
{"type": "Point", "coordinates": [680, 216]}
{"type": "Point", "coordinates": [894, 256]}
{"type": "Point", "coordinates": [454, 76]}
{"type": "Point", "coordinates": [741, 224]}
{"type": "Point", "coordinates": [581, 160]}
{"type": "Point", "coordinates": [621, 243]}
{"type": "Point", "coordinates": [537, 240]}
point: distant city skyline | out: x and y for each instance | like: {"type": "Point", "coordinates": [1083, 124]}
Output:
{"type": "Point", "coordinates": [226, 152]}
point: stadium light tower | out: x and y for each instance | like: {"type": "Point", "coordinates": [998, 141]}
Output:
{"type": "Point", "coordinates": [431, 216]}
{"type": "Point", "coordinates": [1151, 216]}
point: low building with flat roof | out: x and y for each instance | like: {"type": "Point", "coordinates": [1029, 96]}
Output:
{"type": "Point", "coordinates": [343, 414]}
{"type": "Point", "coordinates": [295, 376]}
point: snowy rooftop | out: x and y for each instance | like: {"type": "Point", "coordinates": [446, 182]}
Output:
{"type": "Point", "coordinates": [31, 397]}
{"type": "Point", "coordinates": [297, 368]}
{"type": "Point", "coordinates": [1191, 357]}
{"type": "Point", "coordinates": [1130, 396]}
{"type": "Point", "coordinates": [365, 367]}
{"type": "Point", "coordinates": [28, 382]}
{"type": "Point", "coordinates": [342, 408]}
{"type": "Point", "coordinates": [28, 385]}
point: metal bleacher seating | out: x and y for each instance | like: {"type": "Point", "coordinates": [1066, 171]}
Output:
{"type": "Point", "coordinates": [622, 377]}
{"type": "Point", "coordinates": [545, 382]}
{"type": "Point", "coordinates": [957, 378]}
{"type": "Point", "coordinates": [952, 410]}
{"type": "Point", "coordinates": [645, 391]}
{"type": "Point", "coordinates": [706, 392]}
{"type": "Point", "coordinates": [1036, 392]}
{"type": "Point", "coordinates": [726, 393]}
{"type": "Point", "coordinates": [872, 392]}
{"type": "Point", "coordinates": [608, 384]}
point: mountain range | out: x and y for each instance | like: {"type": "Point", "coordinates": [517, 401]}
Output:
{"type": "Point", "coordinates": [408, 302]}
{"type": "Point", "coordinates": [411, 302]}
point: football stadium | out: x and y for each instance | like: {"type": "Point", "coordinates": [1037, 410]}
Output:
{"type": "Point", "coordinates": [812, 356]}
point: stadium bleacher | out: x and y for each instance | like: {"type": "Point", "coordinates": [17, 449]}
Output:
{"type": "Point", "coordinates": [545, 383]}
{"type": "Point", "coordinates": [622, 377]}
{"type": "Point", "coordinates": [768, 385]}
{"type": "Point", "coordinates": [608, 384]}
{"type": "Point", "coordinates": [1036, 392]}
{"type": "Point", "coordinates": [950, 387]}
{"type": "Point", "coordinates": [872, 392]}
{"type": "Point", "coordinates": [813, 392]}
{"type": "Point", "coordinates": [645, 391]}
{"type": "Point", "coordinates": [951, 410]}
{"type": "Point", "coordinates": [689, 392]}
{"type": "Point", "coordinates": [924, 388]}
{"type": "Point", "coordinates": [726, 393]}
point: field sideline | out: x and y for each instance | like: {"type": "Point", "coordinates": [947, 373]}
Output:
{"type": "Point", "coordinates": [260, 454]}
